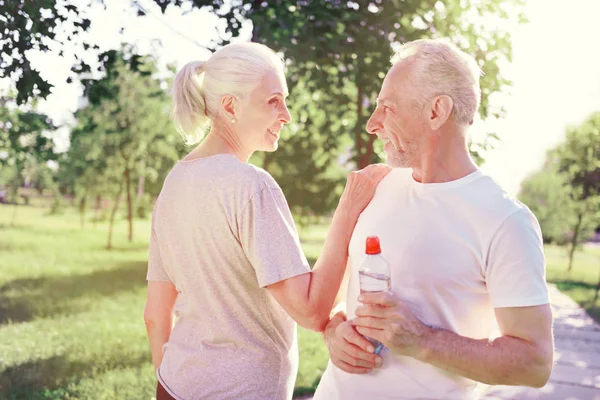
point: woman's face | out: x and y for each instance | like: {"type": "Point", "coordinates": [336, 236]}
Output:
{"type": "Point", "coordinates": [263, 113]}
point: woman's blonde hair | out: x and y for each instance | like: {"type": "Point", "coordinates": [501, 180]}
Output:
{"type": "Point", "coordinates": [235, 69]}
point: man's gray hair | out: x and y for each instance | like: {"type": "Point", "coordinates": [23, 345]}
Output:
{"type": "Point", "coordinates": [441, 68]}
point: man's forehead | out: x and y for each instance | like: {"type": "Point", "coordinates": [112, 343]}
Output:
{"type": "Point", "coordinates": [394, 81]}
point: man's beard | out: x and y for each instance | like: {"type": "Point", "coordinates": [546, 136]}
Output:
{"type": "Point", "coordinates": [401, 159]}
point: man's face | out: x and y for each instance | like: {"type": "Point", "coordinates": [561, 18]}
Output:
{"type": "Point", "coordinates": [396, 120]}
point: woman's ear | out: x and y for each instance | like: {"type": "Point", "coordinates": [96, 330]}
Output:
{"type": "Point", "coordinates": [229, 104]}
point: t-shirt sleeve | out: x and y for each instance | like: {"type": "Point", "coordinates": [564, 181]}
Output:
{"type": "Point", "coordinates": [269, 238]}
{"type": "Point", "coordinates": [156, 270]}
{"type": "Point", "coordinates": [516, 266]}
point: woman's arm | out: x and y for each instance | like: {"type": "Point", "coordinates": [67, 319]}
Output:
{"type": "Point", "coordinates": [158, 316]}
{"type": "Point", "coordinates": [309, 298]}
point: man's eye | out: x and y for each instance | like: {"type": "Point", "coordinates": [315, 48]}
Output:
{"type": "Point", "coordinates": [274, 101]}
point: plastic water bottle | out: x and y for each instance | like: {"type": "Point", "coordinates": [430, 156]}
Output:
{"type": "Point", "coordinates": [374, 275]}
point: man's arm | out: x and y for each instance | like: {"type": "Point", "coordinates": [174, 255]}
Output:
{"type": "Point", "coordinates": [523, 355]}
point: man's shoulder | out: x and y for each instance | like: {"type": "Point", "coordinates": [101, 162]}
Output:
{"type": "Point", "coordinates": [494, 203]}
{"type": "Point", "coordinates": [397, 177]}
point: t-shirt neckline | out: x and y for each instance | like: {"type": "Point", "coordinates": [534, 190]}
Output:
{"type": "Point", "coordinates": [447, 185]}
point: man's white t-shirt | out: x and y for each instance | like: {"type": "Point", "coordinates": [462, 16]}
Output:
{"type": "Point", "coordinates": [456, 250]}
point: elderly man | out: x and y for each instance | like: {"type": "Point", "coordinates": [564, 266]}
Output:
{"type": "Point", "coordinates": [468, 302]}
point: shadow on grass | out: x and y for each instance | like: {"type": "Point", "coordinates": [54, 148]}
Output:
{"type": "Point", "coordinates": [40, 378]}
{"type": "Point", "coordinates": [566, 284]}
{"type": "Point", "coordinates": [31, 229]}
{"type": "Point", "coordinates": [301, 391]}
{"type": "Point", "coordinates": [22, 300]}
{"type": "Point", "coordinates": [7, 247]}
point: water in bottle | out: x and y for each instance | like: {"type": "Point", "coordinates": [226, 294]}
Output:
{"type": "Point", "coordinates": [374, 275]}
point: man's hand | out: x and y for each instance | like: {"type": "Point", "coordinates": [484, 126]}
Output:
{"type": "Point", "coordinates": [348, 350]}
{"type": "Point", "coordinates": [387, 319]}
{"type": "Point", "coordinates": [522, 356]}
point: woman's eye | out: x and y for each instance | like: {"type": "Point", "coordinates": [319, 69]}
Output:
{"type": "Point", "coordinates": [274, 101]}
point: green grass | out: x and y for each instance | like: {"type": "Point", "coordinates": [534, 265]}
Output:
{"type": "Point", "coordinates": [579, 284]}
{"type": "Point", "coordinates": [71, 322]}
{"type": "Point", "coordinates": [71, 312]}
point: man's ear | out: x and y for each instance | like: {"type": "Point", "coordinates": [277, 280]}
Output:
{"type": "Point", "coordinates": [441, 110]}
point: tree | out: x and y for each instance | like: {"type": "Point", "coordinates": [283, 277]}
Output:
{"type": "Point", "coordinates": [546, 194]}
{"type": "Point", "coordinates": [356, 39]}
{"type": "Point", "coordinates": [125, 124]}
{"type": "Point", "coordinates": [23, 133]}
{"type": "Point", "coordinates": [36, 25]}
{"type": "Point", "coordinates": [338, 52]}
{"type": "Point", "coordinates": [24, 142]}
{"type": "Point", "coordinates": [578, 159]}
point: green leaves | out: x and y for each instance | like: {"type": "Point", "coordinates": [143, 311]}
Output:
{"type": "Point", "coordinates": [31, 25]}
{"type": "Point", "coordinates": [565, 196]}
{"type": "Point", "coordinates": [338, 53]}
{"type": "Point", "coordinates": [125, 126]}
{"type": "Point", "coordinates": [24, 134]}
{"type": "Point", "coordinates": [579, 158]}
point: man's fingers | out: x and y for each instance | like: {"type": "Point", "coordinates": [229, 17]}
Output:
{"type": "Point", "coordinates": [370, 322]}
{"type": "Point", "coordinates": [351, 336]}
{"type": "Point", "coordinates": [352, 370]}
{"type": "Point", "coordinates": [370, 332]}
{"type": "Point", "coordinates": [378, 298]}
{"type": "Point", "coordinates": [353, 361]}
{"type": "Point", "coordinates": [371, 310]}
{"type": "Point", "coordinates": [360, 354]}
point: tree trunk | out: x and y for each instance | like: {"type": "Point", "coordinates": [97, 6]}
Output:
{"type": "Point", "coordinates": [82, 203]}
{"type": "Point", "coordinates": [574, 239]}
{"type": "Point", "coordinates": [129, 206]}
{"type": "Point", "coordinates": [369, 154]}
{"type": "Point", "coordinates": [97, 211]}
{"type": "Point", "coordinates": [256, 25]}
{"type": "Point", "coordinates": [358, 128]}
{"type": "Point", "coordinates": [112, 216]}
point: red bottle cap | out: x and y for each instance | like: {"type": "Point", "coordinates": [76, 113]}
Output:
{"type": "Point", "coordinates": [373, 246]}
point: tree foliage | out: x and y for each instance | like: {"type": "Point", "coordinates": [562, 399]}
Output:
{"type": "Point", "coordinates": [565, 196]}
{"type": "Point", "coordinates": [124, 135]}
{"type": "Point", "coordinates": [36, 25]}
{"type": "Point", "coordinates": [338, 53]}
{"type": "Point", "coordinates": [579, 161]}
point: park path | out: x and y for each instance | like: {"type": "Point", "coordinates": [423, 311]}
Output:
{"type": "Point", "coordinates": [576, 374]}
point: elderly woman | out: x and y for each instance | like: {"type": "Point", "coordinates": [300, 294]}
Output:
{"type": "Point", "coordinates": [224, 255]}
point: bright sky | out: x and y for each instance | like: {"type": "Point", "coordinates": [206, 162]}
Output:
{"type": "Point", "coordinates": [555, 72]}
